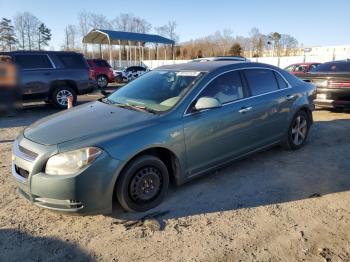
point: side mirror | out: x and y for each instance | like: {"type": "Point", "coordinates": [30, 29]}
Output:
{"type": "Point", "coordinates": [207, 103]}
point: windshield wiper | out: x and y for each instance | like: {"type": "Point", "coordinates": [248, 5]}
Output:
{"type": "Point", "coordinates": [137, 108]}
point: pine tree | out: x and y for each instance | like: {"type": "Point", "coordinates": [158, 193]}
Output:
{"type": "Point", "coordinates": [44, 36]}
{"type": "Point", "coordinates": [7, 35]}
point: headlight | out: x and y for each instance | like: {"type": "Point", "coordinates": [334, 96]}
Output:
{"type": "Point", "coordinates": [71, 162]}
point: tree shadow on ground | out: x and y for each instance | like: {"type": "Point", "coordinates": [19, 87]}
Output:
{"type": "Point", "coordinates": [16, 245]}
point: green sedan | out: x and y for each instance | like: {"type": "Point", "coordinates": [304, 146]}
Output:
{"type": "Point", "coordinates": [174, 123]}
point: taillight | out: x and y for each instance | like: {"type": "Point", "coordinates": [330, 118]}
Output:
{"type": "Point", "coordinates": [91, 74]}
{"type": "Point", "coordinates": [339, 83]}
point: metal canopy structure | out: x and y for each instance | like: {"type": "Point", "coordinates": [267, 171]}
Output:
{"type": "Point", "coordinates": [136, 40]}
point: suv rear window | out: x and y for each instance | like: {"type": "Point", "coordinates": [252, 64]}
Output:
{"type": "Point", "coordinates": [72, 61]}
{"type": "Point", "coordinates": [261, 81]}
{"type": "Point", "coordinates": [333, 67]}
{"type": "Point", "coordinates": [101, 63]}
{"type": "Point", "coordinates": [33, 61]}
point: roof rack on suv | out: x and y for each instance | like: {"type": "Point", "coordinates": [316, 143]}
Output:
{"type": "Point", "coordinates": [221, 58]}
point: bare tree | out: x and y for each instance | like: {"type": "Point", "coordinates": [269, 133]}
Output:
{"type": "Point", "coordinates": [98, 21]}
{"type": "Point", "coordinates": [26, 25]}
{"type": "Point", "coordinates": [19, 25]}
{"type": "Point", "coordinates": [70, 38]}
{"type": "Point", "coordinates": [288, 43]}
{"type": "Point", "coordinates": [83, 18]}
{"type": "Point", "coordinates": [169, 31]}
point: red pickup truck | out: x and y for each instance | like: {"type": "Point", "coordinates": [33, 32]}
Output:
{"type": "Point", "coordinates": [102, 71]}
{"type": "Point", "coordinates": [301, 68]}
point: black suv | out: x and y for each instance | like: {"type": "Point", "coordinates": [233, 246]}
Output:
{"type": "Point", "coordinates": [52, 76]}
{"type": "Point", "coordinates": [332, 80]}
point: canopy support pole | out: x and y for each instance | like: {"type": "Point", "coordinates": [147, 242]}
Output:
{"type": "Point", "coordinates": [156, 51]}
{"type": "Point", "coordinates": [164, 52]}
{"type": "Point", "coordinates": [135, 58]}
{"type": "Point", "coordinates": [142, 54]}
{"type": "Point", "coordinates": [101, 54]}
{"type": "Point", "coordinates": [129, 51]}
{"type": "Point", "coordinates": [110, 53]}
{"type": "Point", "coordinates": [120, 55]}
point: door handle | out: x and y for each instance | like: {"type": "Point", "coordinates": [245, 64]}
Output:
{"type": "Point", "coordinates": [47, 74]}
{"type": "Point", "coordinates": [290, 97]}
{"type": "Point", "coordinates": [245, 109]}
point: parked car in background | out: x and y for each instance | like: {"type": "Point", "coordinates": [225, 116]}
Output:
{"type": "Point", "coordinates": [301, 68]}
{"type": "Point", "coordinates": [221, 58]}
{"type": "Point", "coordinates": [130, 73]}
{"type": "Point", "coordinates": [102, 71]}
{"type": "Point", "coordinates": [176, 122]}
{"type": "Point", "coordinates": [332, 80]}
{"type": "Point", "coordinates": [52, 76]}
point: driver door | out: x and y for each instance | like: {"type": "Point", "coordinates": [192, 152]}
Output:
{"type": "Point", "coordinates": [217, 135]}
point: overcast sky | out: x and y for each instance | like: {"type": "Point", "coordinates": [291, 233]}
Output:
{"type": "Point", "coordinates": [310, 22]}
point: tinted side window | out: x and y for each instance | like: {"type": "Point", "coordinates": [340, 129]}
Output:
{"type": "Point", "coordinates": [101, 63]}
{"type": "Point", "coordinates": [261, 81]}
{"type": "Point", "coordinates": [226, 88]}
{"type": "Point", "coordinates": [333, 67]}
{"type": "Point", "coordinates": [72, 61]}
{"type": "Point", "coordinates": [281, 82]}
{"type": "Point", "coordinates": [33, 61]}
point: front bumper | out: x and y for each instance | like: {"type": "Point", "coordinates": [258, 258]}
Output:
{"type": "Point", "coordinates": [88, 192]}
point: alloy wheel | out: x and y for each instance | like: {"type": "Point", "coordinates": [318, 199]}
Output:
{"type": "Point", "coordinates": [102, 81]}
{"type": "Point", "coordinates": [299, 130]}
{"type": "Point", "coordinates": [62, 97]}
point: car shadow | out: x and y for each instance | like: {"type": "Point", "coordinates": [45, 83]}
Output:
{"type": "Point", "coordinates": [17, 245]}
{"type": "Point", "coordinates": [273, 176]}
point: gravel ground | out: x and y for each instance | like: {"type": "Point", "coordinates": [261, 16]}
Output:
{"type": "Point", "coordinates": [272, 206]}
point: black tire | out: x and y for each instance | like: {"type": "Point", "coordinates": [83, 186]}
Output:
{"type": "Point", "coordinates": [102, 81]}
{"type": "Point", "coordinates": [60, 101]}
{"type": "Point", "coordinates": [119, 79]}
{"type": "Point", "coordinates": [297, 135]}
{"type": "Point", "coordinates": [144, 174]}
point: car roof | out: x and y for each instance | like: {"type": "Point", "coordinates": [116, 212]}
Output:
{"type": "Point", "coordinates": [211, 66]}
{"type": "Point", "coordinates": [306, 63]}
{"type": "Point", "coordinates": [38, 52]}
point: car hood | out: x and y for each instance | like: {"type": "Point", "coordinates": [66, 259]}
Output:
{"type": "Point", "coordinates": [87, 120]}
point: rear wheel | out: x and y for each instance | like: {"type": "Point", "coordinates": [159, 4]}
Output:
{"type": "Point", "coordinates": [59, 96]}
{"type": "Point", "coordinates": [102, 81]}
{"type": "Point", "coordinates": [143, 184]}
{"type": "Point", "coordinates": [298, 131]}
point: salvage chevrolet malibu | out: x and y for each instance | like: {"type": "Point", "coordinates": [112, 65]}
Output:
{"type": "Point", "coordinates": [172, 124]}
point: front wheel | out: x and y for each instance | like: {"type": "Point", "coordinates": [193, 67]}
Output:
{"type": "Point", "coordinates": [298, 131]}
{"type": "Point", "coordinates": [143, 184]}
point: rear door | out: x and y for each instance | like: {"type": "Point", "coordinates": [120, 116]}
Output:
{"type": "Point", "coordinates": [270, 101]}
{"type": "Point", "coordinates": [35, 73]}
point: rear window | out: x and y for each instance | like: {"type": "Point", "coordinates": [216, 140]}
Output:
{"type": "Point", "coordinates": [281, 82]}
{"type": "Point", "coordinates": [33, 61]}
{"type": "Point", "coordinates": [102, 63]}
{"type": "Point", "coordinates": [333, 67]}
{"type": "Point", "coordinates": [261, 81]}
{"type": "Point", "coordinates": [72, 61]}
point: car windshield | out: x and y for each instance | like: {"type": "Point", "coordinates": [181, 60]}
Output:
{"type": "Point", "coordinates": [296, 68]}
{"type": "Point", "coordinates": [156, 91]}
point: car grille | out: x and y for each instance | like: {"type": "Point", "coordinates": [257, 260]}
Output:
{"type": "Point", "coordinates": [22, 172]}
